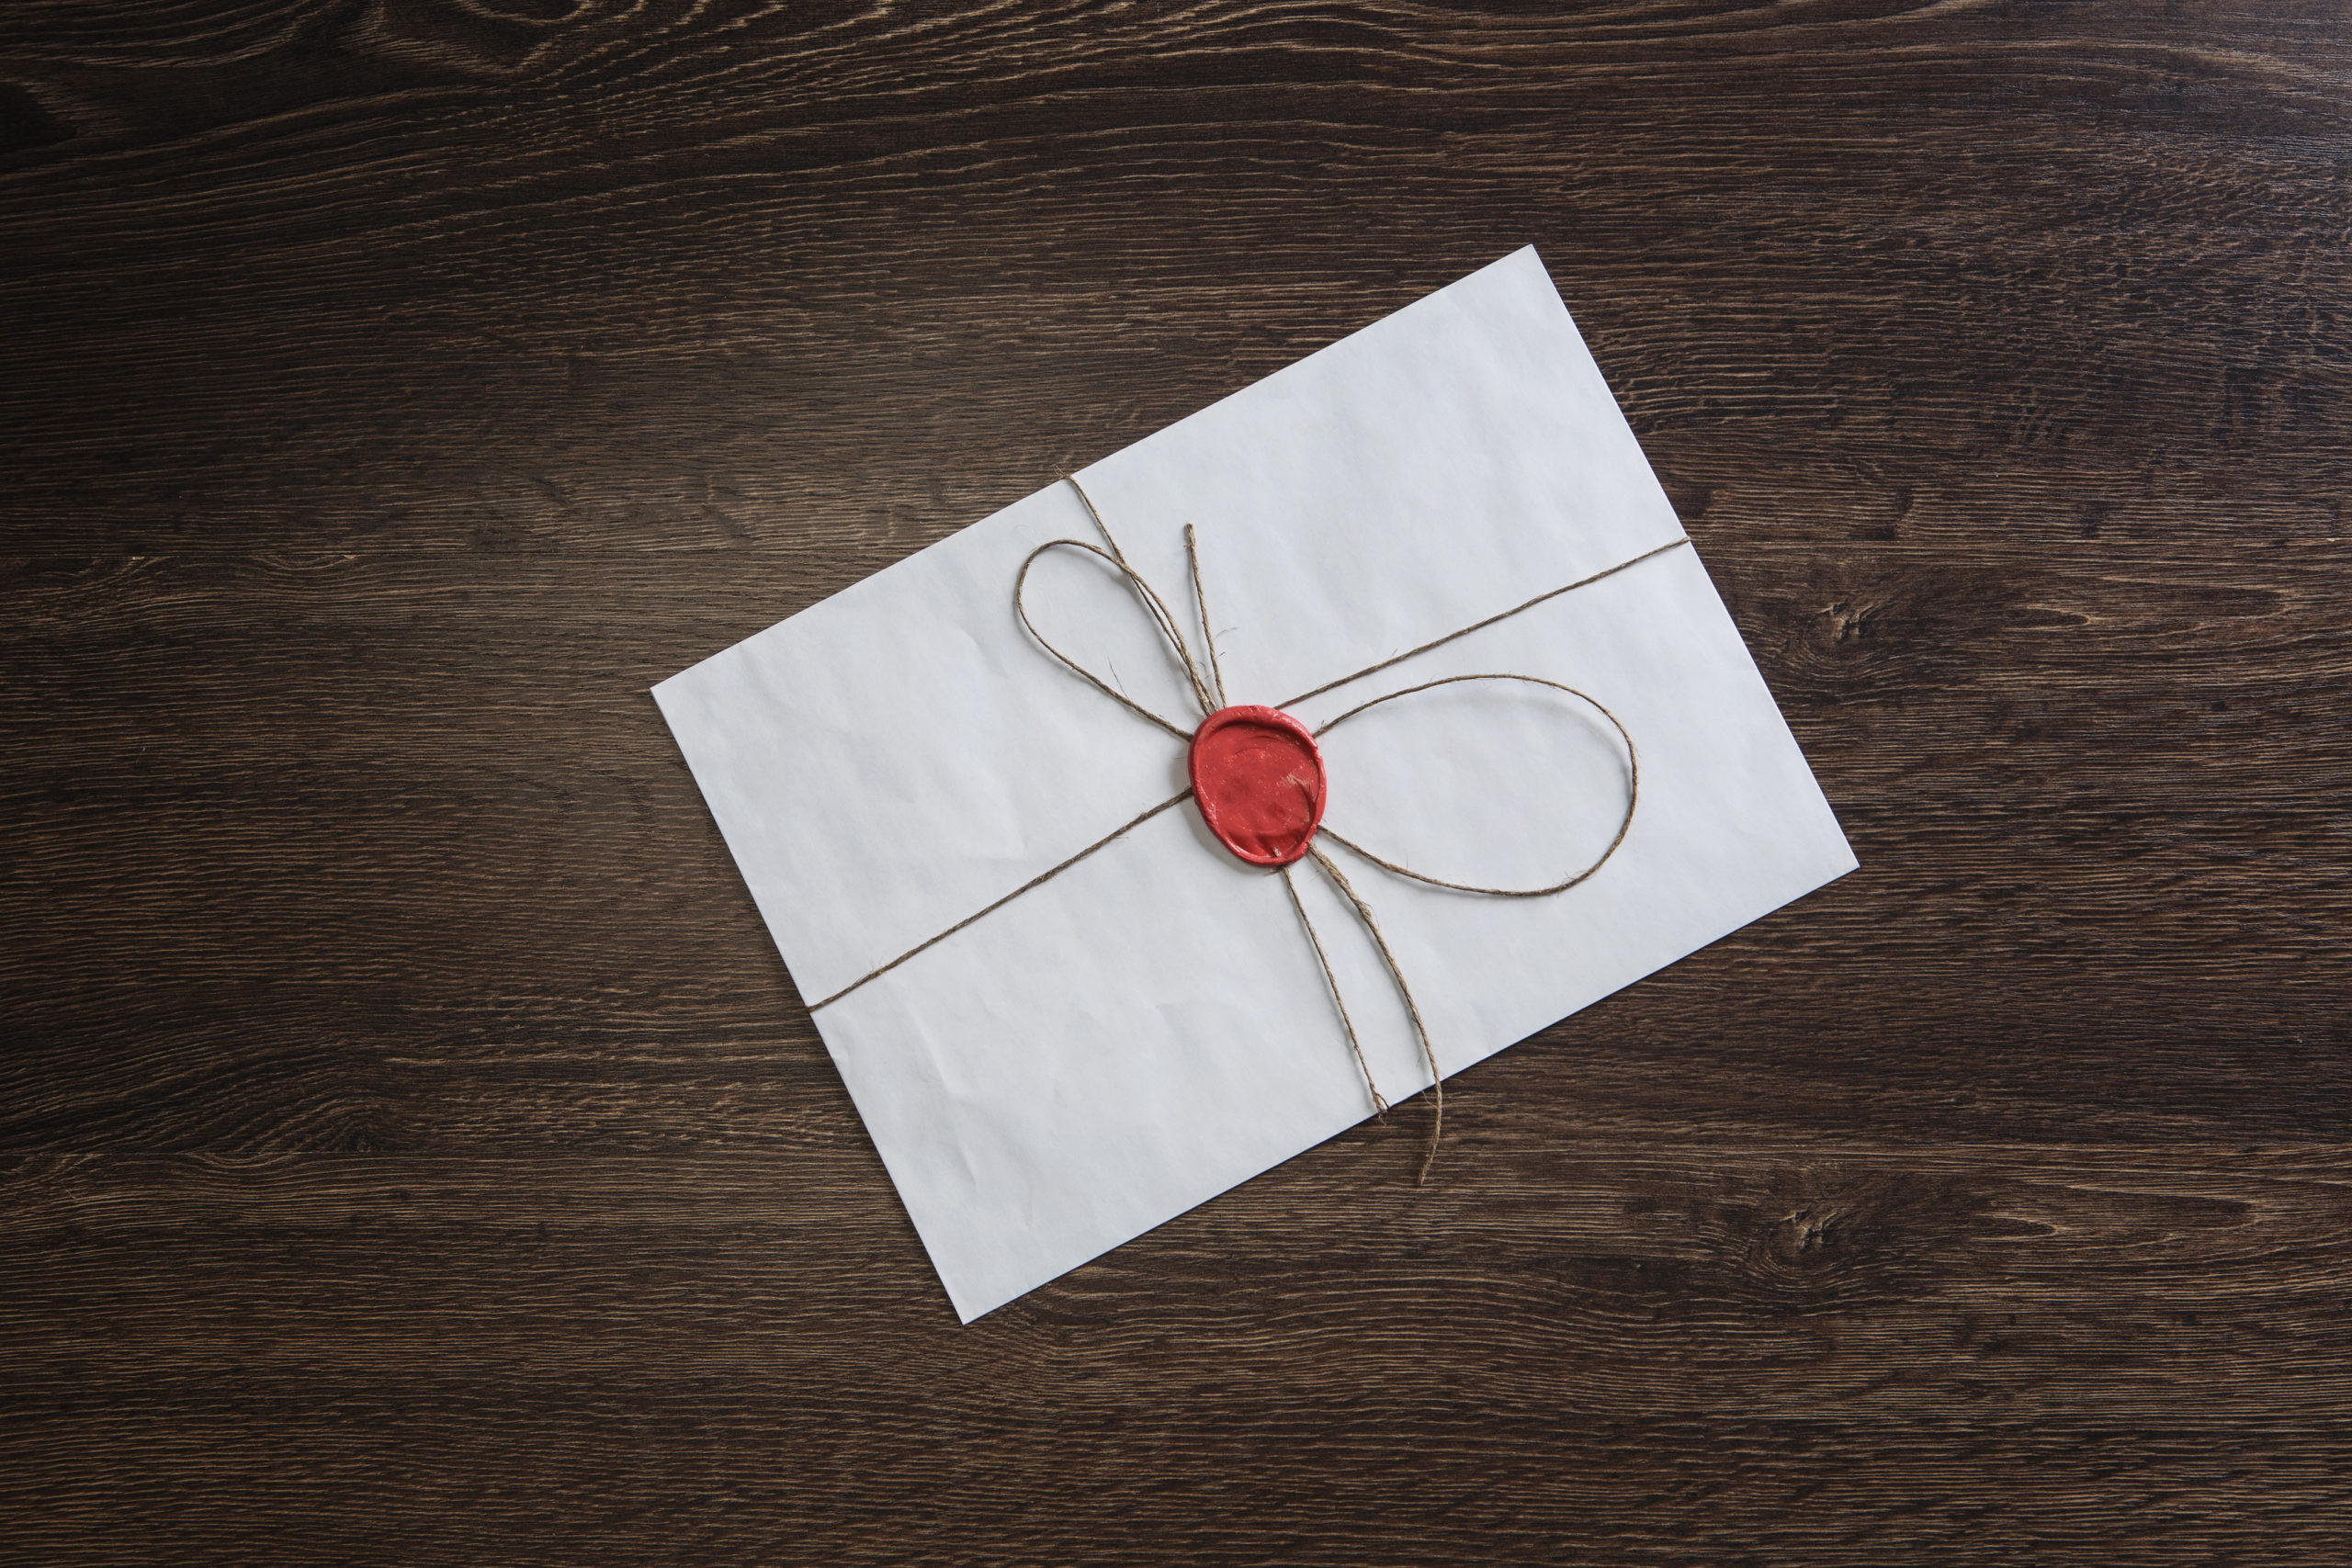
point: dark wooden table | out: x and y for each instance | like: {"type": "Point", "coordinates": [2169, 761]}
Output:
{"type": "Point", "coordinates": [412, 1150]}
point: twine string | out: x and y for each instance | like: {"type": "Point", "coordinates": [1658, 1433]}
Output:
{"type": "Point", "coordinates": [1038, 881]}
{"type": "Point", "coordinates": [1208, 691]}
{"type": "Point", "coordinates": [1481, 626]}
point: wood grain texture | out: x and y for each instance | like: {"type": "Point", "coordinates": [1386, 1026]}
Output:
{"type": "Point", "coordinates": [413, 1151]}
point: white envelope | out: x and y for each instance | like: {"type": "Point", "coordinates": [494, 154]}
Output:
{"type": "Point", "coordinates": [1149, 1027]}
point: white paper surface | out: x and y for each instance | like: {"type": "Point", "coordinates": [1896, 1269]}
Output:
{"type": "Point", "coordinates": [1150, 1027]}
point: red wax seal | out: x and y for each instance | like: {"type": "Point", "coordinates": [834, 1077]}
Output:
{"type": "Point", "coordinates": [1258, 776]}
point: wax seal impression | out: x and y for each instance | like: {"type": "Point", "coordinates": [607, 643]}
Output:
{"type": "Point", "coordinates": [1257, 778]}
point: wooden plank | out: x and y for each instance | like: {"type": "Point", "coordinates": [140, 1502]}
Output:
{"type": "Point", "coordinates": [1832, 1351]}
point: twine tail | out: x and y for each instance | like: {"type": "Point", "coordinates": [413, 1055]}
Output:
{"type": "Point", "coordinates": [1379, 1105]}
{"type": "Point", "coordinates": [1208, 631]}
{"type": "Point", "coordinates": [1412, 1008]}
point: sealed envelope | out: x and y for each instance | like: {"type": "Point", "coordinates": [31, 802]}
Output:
{"type": "Point", "coordinates": [1099, 911]}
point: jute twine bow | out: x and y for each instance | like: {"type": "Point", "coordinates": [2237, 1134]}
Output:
{"type": "Point", "coordinates": [1205, 681]}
